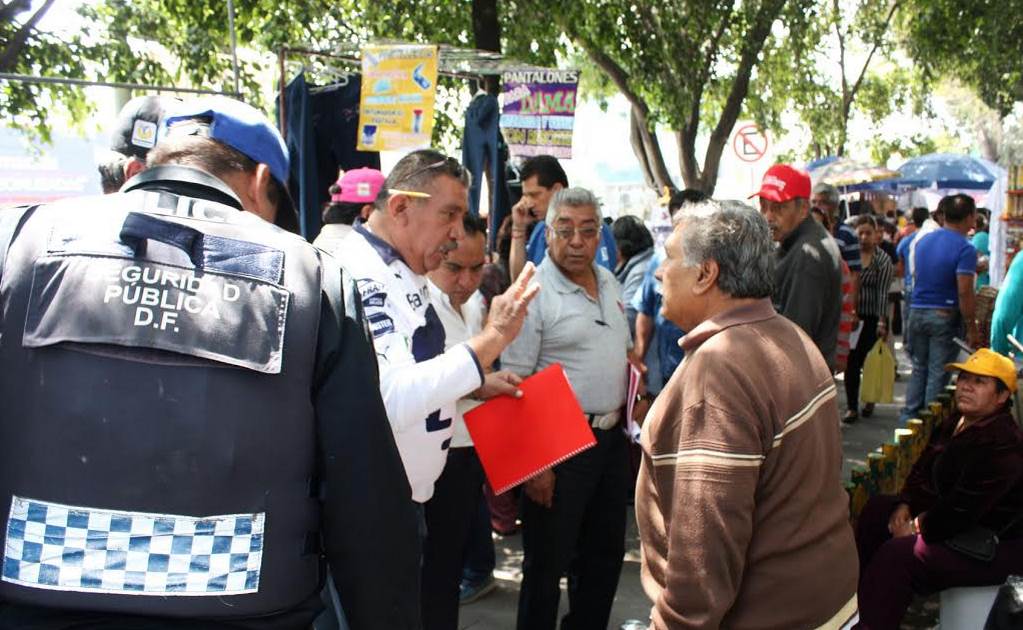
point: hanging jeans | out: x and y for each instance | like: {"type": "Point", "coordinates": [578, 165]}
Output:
{"type": "Point", "coordinates": [322, 125]}
{"type": "Point", "coordinates": [484, 150]}
{"type": "Point", "coordinates": [479, 146]}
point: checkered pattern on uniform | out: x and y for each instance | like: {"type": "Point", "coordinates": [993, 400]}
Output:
{"type": "Point", "coordinates": [67, 548]}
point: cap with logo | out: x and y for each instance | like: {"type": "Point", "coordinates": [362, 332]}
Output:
{"type": "Point", "coordinates": [782, 183]}
{"type": "Point", "coordinates": [987, 362]}
{"type": "Point", "coordinates": [361, 185]}
{"type": "Point", "coordinates": [138, 124]}
{"type": "Point", "coordinates": [246, 130]}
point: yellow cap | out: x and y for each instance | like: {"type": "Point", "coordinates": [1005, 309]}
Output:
{"type": "Point", "coordinates": [987, 362]}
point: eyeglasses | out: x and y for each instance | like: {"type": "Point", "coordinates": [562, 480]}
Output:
{"type": "Point", "coordinates": [587, 233]}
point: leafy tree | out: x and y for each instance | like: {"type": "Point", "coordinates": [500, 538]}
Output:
{"type": "Point", "coordinates": [686, 65]}
{"type": "Point", "coordinates": [24, 49]}
{"type": "Point", "coordinates": [999, 138]}
{"type": "Point", "coordinates": [975, 41]}
{"type": "Point", "coordinates": [840, 65]}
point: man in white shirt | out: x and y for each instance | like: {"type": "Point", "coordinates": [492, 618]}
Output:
{"type": "Point", "coordinates": [416, 221]}
{"type": "Point", "coordinates": [449, 514]}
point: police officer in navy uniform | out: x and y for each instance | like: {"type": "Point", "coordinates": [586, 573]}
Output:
{"type": "Point", "coordinates": [192, 430]}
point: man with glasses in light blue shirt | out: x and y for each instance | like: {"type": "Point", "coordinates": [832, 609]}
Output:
{"type": "Point", "coordinates": [579, 322]}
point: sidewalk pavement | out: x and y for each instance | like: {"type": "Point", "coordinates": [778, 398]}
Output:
{"type": "Point", "coordinates": [497, 610]}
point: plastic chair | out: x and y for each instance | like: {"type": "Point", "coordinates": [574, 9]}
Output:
{"type": "Point", "coordinates": [967, 607]}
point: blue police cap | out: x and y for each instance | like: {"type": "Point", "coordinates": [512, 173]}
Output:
{"type": "Point", "coordinates": [246, 130]}
{"type": "Point", "coordinates": [239, 126]}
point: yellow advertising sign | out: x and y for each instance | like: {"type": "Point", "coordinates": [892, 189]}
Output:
{"type": "Point", "coordinates": [399, 88]}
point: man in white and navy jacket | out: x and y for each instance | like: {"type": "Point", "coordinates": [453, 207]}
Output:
{"type": "Point", "coordinates": [416, 220]}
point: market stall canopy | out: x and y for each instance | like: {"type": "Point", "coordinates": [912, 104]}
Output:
{"type": "Point", "coordinates": [844, 172]}
{"type": "Point", "coordinates": [946, 171]}
{"type": "Point", "coordinates": [452, 61]}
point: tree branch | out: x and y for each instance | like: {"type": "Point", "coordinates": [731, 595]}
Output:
{"type": "Point", "coordinates": [17, 41]}
{"type": "Point", "coordinates": [877, 44]}
{"type": "Point", "coordinates": [686, 140]}
{"type": "Point", "coordinates": [12, 8]}
{"type": "Point", "coordinates": [636, 140]}
{"type": "Point", "coordinates": [648, 149]}
{"type": "Point", "coordinates": [755, 39]}
{"type": "Point", "coordinates": [841, 49]}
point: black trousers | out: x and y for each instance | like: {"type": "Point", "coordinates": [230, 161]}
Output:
{"type": "Point", "coordinates": [854, 367]}
{"type": "Point", "coordinates": [582, 534]}
{"type": "Point", "coordinates": [449, 515]}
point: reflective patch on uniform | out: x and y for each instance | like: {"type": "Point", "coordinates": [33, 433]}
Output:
{"type": "Point", "coordinates": [90, 550]}
{"type": "Point", "coordinates": [232, 318]}
{"type": "Point", "coordinates": [380, 324]}
{"type": "Point", "coordinates": [376, 300]}
{"type": "Point", "coordinates": [373, 293]}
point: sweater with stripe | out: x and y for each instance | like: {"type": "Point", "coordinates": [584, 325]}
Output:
{"type": "Point", "coordinates": [743, 519]}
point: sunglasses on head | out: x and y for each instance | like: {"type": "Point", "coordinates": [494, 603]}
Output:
{"type": "Point", "coordinates": [455, 169]}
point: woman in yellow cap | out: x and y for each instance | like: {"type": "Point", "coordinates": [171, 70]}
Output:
{"type": "Point", "coordinates": [959, 518]}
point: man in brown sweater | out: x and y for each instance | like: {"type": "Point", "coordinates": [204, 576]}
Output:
{"type": "Point", "coordinates": [742, 515]}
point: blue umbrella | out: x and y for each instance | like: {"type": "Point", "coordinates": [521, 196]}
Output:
{"type": "Point", "coordinates": [819, 162]}
{"type": "Point", "coordinates": [945, 170]}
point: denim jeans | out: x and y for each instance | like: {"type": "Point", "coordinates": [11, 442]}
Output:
{"type": "Point", "coordinates": [480, 558]}
{"type": "Point", "coordinates": [932, 333]}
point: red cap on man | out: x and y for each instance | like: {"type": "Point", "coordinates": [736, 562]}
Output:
{"type": "Point", "coordinates": [782, 183]}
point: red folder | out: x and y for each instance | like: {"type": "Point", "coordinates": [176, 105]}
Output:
{"type": "Point", "coordinates": [518, 438]}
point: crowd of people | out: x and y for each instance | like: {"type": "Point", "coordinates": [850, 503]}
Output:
{"type": "Point", "coordinates": [205, 409]}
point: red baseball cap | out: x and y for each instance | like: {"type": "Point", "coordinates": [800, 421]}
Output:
{"type": "Point", "coordinates": [782, 183]}
{"type": "Point", "coordinates": [361, 185]}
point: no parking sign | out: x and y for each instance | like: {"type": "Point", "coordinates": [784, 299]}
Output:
{"type": "Point", "coordinates": [749, 143]}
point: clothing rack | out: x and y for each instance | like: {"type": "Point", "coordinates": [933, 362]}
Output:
{"type": "Point", "coordinates": [349, 58]}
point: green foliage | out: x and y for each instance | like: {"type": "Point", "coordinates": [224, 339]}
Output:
{"type": "Point", "coordinates": [883, 147]}
{"type": "Point", "coordinates": [838, 67]}
{"type": "Point", "coordinates": [32, 107]}
{"type": "Point", "coordinates": [974, 41]}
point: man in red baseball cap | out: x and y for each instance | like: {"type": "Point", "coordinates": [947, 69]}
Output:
{"type": "Point", "coordinates": [808, 279]}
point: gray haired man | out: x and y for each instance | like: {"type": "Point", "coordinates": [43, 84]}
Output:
{"type": "Point", "coordinates": [742, 516]}
{"type": "Point", "coordinates": [578, 321]}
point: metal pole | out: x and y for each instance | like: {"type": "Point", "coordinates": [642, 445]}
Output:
{"type": "Point", "coordinates": [234, 43]}
{"type": "Point", "coordinates": [25, 78]}
{"type": "Point", "coordinates": [281, 120]}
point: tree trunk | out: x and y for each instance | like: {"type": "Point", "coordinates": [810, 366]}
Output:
{"type": "Point", "coordinates": [639, 149]}
{"type": "Point", "coordinates": [648, 150]}
{"type": "Point", "coordinates": [706, 180]}
{"type": "Point", "coordinates": [686, 144]}
{"type": "Point", "coordinates": [989, 143]}
{"type": "Point", "coordinates": [486, 31]}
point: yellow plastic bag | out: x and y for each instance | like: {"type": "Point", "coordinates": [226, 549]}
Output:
{"type": "Point", "coordinates": [878, 375]}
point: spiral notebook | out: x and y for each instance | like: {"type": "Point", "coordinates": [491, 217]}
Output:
{"type": "Point", "coordinates": [518, 438]}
